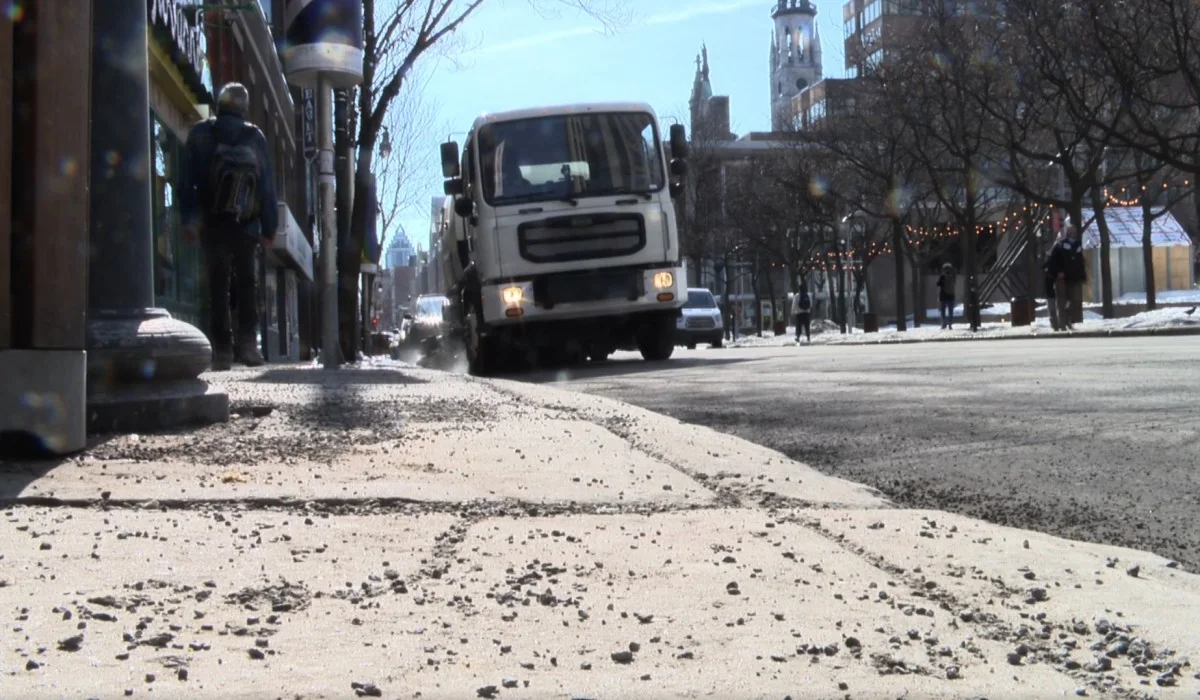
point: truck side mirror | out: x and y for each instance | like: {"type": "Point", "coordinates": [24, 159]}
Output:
{"type": "Point", "coordinates": [676, 188]}
{"type": "Point", "coordinates": [450, 163]}
{"type": "Point", "coordinates": [679, 144]}
{"type": "Point", "coordinates": [453, 187]}
{"type": "Point", "coordinates": [679, 167]}
{"type": "Point", "coordinates": [464, 207]}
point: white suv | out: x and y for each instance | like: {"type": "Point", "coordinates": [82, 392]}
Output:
{"type": "Point", "coordinates": [700, 321]}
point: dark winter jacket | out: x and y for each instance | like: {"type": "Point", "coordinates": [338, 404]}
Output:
{"type": "Point", "coordinates": [801, 304]}
{"type": "Point", "coordinates": [946, 286]}
{"type": "Point", "coordinates": [1048, 276]}
{"type": "Point", "coordinates": [194, 194]}
{"type": "Point", "coordinates": [1066, 258]}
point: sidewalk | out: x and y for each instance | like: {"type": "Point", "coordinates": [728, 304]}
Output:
{"type": "Point", "coordinates": [399, 532]}
{"type": "Point", "coordinates": [1169, 321]}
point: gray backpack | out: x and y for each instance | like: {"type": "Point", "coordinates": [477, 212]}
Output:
{"type": "Point", "coordinates": [233, 179]}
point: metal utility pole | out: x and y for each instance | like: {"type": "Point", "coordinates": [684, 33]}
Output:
{"type": "Point", "coordinates": [330, 347]}
{"type": "Point", "coordinates": [312, 59]}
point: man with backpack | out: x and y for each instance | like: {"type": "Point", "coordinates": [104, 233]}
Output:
{"type": "Point", "coordinates": [228, 200]}
{"type": "Point", "coordinates": [802, 312]}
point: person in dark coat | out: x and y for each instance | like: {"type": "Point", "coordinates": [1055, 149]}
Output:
{"type": "Point", "coordinates": [802, 310]}
{"type": "Point", "coordinates": [946, 283]}
{"type": "Point", "coordinates": [1051, 304]}
{"type": "Point", "coordinates": [228, 201]}
{"type": "Point", "coordinates": [1070, 274]}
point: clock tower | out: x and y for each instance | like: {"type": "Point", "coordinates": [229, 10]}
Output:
{"type": "Point", "coordinates": [795, 57]}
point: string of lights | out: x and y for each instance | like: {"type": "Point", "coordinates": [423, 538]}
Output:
{"type": "Point", "coordinates": [918, 237]}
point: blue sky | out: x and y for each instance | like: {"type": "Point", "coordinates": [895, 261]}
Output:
{"type": "Point", "coordinates": [509, 56]}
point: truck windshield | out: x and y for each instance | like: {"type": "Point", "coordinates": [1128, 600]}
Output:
{"type": "Point", "coordinates": [430, 306]}
{"type": "Point", "coordinates": [700, 299]}
{"type": "Point", "coordinates": [568, 156]}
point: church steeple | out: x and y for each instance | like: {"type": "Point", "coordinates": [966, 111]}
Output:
{"type": "Point", "coordinates": [795, 56]}
{"type": "Point", "coordinates": [701, 87]}
{"type": "Point", "coordinates": [709, 114]}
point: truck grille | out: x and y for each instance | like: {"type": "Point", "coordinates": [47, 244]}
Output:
{"type": "Point", "coordinates": [598, 285]}
{"type": "Point", "coordinates": [583, 237]}
{"type": "Point", "coordinates": [701, 323]}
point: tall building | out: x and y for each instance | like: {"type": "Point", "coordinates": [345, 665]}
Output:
{"type": "Point", "coordinates": [873, 32]}
{"type": "Point", "coordinates": [400, 251]}
{"type": "Point", "coordinates": [795, 57]}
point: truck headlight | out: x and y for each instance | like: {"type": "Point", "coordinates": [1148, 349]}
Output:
{"type": "Point", "coordinates": [512, 295]}
{"type": "Point", "coordinates": [664, 280]}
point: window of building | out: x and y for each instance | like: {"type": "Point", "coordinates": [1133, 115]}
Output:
{"type": "Point", "coordinates": [816, 112]}
{"type": "Point", "coordinates": [873, 62]}
{"type": "Point", "coordinates": [177, 269]}
{"type": "Point", "coordinates": [790, 46]}
{"type": "Point", "coordinates": [906, 7]}
{"type": "Point", "coordinates": [872, 12]}
{"type": "Point", "coordinates": [872, 34]}
{"type": "Point", "coordinates": [848, 28]}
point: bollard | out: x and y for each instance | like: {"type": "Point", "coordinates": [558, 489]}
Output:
{"type": "Point", "coordinates": [1023, 311]}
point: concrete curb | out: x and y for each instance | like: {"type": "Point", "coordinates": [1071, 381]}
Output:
{"type": "Point", "coordinates": [1038, 336]}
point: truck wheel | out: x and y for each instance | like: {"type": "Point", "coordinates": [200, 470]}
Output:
{"type": "Point", "coordinates": [478, 350]}
{"type": "Point", "coordinates": [717, 342]}
{"type": "Point", "coordinates": [656, 341]}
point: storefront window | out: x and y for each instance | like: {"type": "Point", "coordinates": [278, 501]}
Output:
{"type": "Point", "coordinates": [177, 277]}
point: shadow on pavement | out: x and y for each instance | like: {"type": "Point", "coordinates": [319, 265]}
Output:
{"type": "Point", "coordinates": [340, 377]}
{"type": "Point", "coordinates": [618, 368]}
{"type": "Point", "coordinates": [29, 462]}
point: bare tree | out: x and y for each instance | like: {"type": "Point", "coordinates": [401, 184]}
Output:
{"type": "Point", "coordinates": [786, 216]}
{"type": "Point", "coordinates": [1152, 50]}
{"type": "Point", "coordinates": [1155, 193]}
{"type": "Point", "coordinates": [873, 145]}
{"type": "Point", "coordinates": [949, 79]}
{"type": "Point", "coordinates": [402, 156]}
{"type": "Point", "coordinates": [1059, 117]}
{"type": "Point", "coordinates": [397, 35]}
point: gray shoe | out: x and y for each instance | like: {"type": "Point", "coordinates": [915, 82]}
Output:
{"type": "Point", "coordinates": [222, 360]}
{"type": "Point", "coordinates": [249, 355]}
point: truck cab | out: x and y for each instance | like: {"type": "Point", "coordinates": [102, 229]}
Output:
{"type": "Point", "coordinates": [565, 242]}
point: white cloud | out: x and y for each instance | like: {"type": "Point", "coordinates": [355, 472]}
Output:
{"type": "Point", "coordinates": [695, 10]}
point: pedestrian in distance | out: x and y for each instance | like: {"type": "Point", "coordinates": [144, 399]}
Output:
{"type": "Point", "coordinates": [1069, 269]}
{"type": "Point", "coordinates": [1051, 303]}
{"type": "Point", "coordinates": [802, 311]}
{"type": "Point", "coordinates": [228, 201]}
{"type": "Point", "coordinates": [946, 282]}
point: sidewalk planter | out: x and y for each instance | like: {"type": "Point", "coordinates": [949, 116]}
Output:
{"type": "Point", "coordinates": [870, 322]}
{"type": "Point", "coordinates": [1023, 311]}
{"type": "Point", "coordinates": [780, 327]}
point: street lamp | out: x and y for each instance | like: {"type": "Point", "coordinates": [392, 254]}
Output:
{"type": "Point", "coordinates": [385, 143]}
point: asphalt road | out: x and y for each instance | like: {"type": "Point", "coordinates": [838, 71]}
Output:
{"type": "Point", "coordinates": [1089, 439]}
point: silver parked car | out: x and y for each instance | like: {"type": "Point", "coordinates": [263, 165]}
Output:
{"type": "Point", "coordinates": [700, 321]}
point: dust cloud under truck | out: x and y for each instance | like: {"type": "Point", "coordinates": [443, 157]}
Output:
{"type": "Point", "coordinates": [559, 236]}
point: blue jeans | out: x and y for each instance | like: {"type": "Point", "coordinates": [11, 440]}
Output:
{"type": "Point", "coordinates": [946, 308]}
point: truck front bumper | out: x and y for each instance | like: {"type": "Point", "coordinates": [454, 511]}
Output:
{"type": "Point", "coordinates": [607, 292]}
